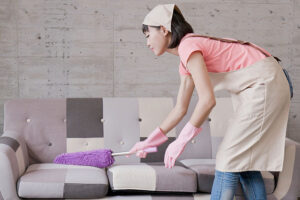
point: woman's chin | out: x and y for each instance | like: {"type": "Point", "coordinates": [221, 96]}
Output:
{"type": "Point", "coordinates": [158, 53]}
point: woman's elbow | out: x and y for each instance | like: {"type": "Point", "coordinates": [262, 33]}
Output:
{"type": "Point", "coordinates": [213, 102]}
{"type": "Point", "coordinates": [209, 102]}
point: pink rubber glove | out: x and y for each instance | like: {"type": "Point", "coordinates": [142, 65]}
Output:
{"type": "Point", "coordinates": [176, 148]}
{"type": "Point", "coordinates": [156, 138]}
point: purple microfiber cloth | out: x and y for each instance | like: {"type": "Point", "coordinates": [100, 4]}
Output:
{"type": "Point", "coordinates": [96, 158]}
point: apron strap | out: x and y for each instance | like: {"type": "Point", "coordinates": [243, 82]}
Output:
{"type": "Point", "coordinates": [232, 41]}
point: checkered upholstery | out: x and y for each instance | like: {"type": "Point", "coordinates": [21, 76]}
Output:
{"type": "Point", "coordinates": [62, 181]}
{"type": "Point", "coordinates": [55, 126]}
{"type": "Point", "coordinates": [37, 130]}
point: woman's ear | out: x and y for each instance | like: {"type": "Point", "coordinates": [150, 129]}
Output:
{"type": "Point", "coordinates": [164, 30]}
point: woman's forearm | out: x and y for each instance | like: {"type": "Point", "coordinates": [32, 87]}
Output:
{"type": "Point", "coordinates": [201, 112]}
{"type": "Point", "coordinates": [172, 119]}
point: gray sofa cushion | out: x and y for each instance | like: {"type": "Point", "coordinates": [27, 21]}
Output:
{"type": "Point", "coordinates": [205, 169]}
{"type": "Point", "coordinates": [152, 177]}
{"type": "Point", "coordinates": [62, 181]}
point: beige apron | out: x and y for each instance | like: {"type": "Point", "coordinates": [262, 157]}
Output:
{"type": "Point", "coordinates": [255, 137]}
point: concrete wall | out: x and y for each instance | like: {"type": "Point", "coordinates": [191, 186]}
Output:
{"type": "Point", "coordinates": [95, 48]}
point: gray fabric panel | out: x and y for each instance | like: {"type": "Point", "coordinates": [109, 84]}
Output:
{"type": "Point", "coordinates": [44, 176]}
{"type": "Point", "coordinates": [84, 117]}
{"type": "Point", "coordinates": [202, 146]}
{"type": "Point", "coordinates": [1, 197]}
{"type": "Point", "coordinates": [45, 118]}
{"type": "Point", "coordinates": [160, 154]}
{"type": "Point", "coordinates": [121, 126]}
{"type": "Point", "coordinates": [167, 179]}
{"type": "Point", "coordinates": [77, 190]}
{"type": "Point", "coordinates": [14, 144]}
{"type": "Point", "coordinates": [205, 176]}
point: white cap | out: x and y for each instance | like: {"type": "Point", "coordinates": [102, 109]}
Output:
{"type": "Point", "coordinates": [161, 15]}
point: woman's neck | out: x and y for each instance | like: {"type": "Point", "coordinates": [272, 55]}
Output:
{"type": "Point", "coordinates": [173, 51]}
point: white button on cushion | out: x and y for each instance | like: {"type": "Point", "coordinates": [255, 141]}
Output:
{"type": "Point", "coordinates": [28, 120]}
{"type": "Point", "coordinates": [122, 142]}
{"type": "Point", "coordinates": [193, 141]}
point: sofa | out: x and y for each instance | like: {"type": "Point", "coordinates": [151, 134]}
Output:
{"type": "Point", "coordinates": [37, 130]}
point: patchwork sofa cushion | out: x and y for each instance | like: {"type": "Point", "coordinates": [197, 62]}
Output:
{"type": "Point", "coordinates": [205, 170]}
{"type": "Point", "coordinates": [62, 181]}
{"type": "Point", "coordinates": [152, 177]}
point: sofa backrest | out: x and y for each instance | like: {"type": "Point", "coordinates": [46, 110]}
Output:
{"type": "Point", "coordinates": [54, 126]}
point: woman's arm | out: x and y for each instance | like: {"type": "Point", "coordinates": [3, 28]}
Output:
{"type": "Point", "coordinates": [206, 98]}
{"type": "Point", "coordinates": [185, 92]}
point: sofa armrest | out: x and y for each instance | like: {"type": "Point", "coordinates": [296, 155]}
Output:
{"type": "Point", "coordinates": [13, 163]}
{"type": "Point", "coordinates": [288, 185]}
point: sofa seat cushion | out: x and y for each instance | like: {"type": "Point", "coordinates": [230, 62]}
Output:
{"type": "Point", "coordinates": [152, 177]}
{"type": "Point", "coordinates": [205, 170]}
{"type": "Point", "coordinates": [62, 181]}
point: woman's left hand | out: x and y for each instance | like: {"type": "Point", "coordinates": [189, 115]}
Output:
{"type": "Point", "coordinates": [172, 153]}
{"type": "Point", "coordinates": [176, 148]}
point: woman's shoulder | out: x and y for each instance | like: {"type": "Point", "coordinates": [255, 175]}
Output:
{"type": "Point", "coordinates": [190, 42]}
{"type": "Point", "coordinates": [191, 39]}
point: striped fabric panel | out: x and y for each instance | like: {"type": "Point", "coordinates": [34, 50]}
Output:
{"type": "Point", "coordinates": [152, 177]}
{"type": "Point", "coordinates": [84, 126]}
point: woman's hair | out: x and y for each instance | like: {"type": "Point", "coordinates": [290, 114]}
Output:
{"type": "Point", "coordinates": [179, 28]}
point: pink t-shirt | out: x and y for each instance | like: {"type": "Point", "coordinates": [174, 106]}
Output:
{"type": "Point", "coordinates": [218, 56]}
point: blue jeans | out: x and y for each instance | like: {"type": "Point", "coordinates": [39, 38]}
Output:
{"type": "Point", "coordinates": [225, 184]}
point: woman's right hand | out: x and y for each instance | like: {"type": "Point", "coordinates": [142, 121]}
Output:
{"type": "Point", "coordinates": [156, 138]}
{"type": "Point", "coordinates": [138, 149]}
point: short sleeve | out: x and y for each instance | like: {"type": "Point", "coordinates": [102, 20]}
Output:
{"type": "Point", "coordinates": [185, 49]}
{"type": "Point", "coordinates": [183, 70]}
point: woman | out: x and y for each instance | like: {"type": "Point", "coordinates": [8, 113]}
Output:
{"type": "Point", "coordinates": [255, 138]}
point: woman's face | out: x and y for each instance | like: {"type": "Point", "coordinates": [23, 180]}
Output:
{"type": "Point", "coordinates": [157, 40]}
